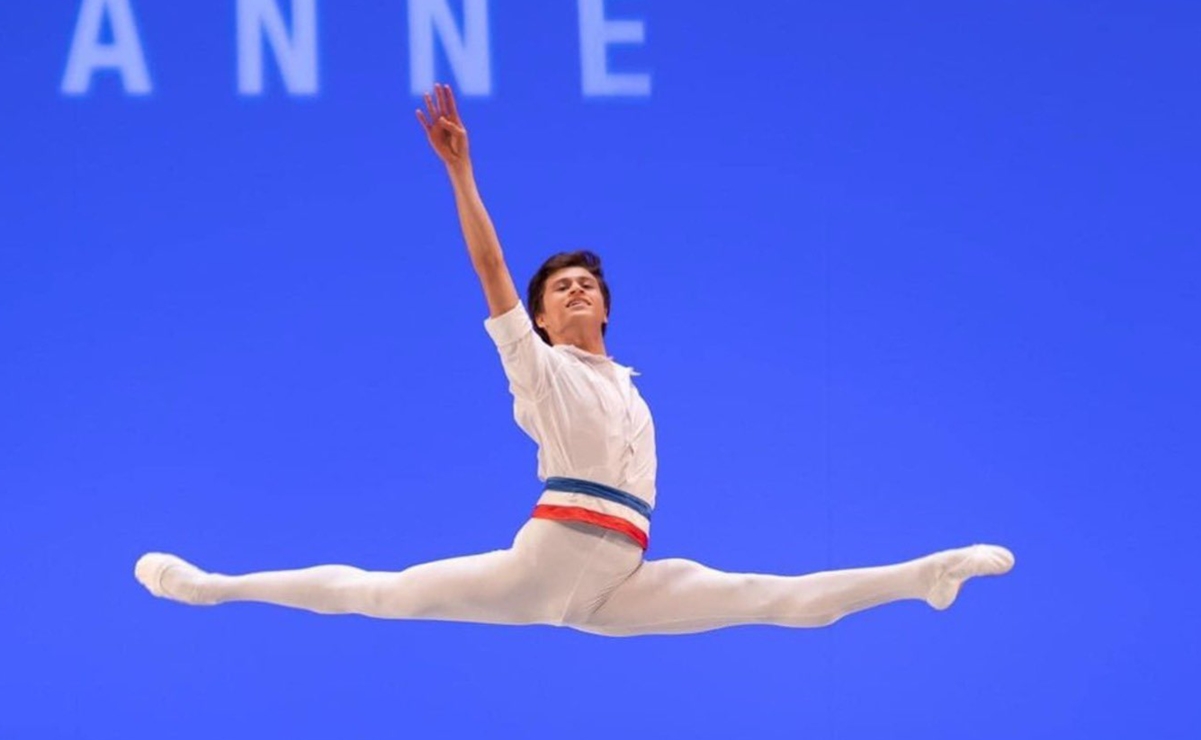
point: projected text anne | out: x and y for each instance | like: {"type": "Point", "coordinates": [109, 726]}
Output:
{"type": "Point", "coordinates": [265, 32]}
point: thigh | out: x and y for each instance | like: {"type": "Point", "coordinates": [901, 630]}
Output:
{"type": "Point", "coordinates": [528, 583]}
{"type": "Point", "coordinates": [676, 595]}
{"type": "Point", "coordinates": [495, 587]}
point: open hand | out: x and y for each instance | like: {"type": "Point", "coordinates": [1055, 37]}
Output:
{"type": "Point", "coordinates": [443, 126]}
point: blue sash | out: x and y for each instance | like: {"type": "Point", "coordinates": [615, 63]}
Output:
{"type": "Point", "coordinates": [600, 490]}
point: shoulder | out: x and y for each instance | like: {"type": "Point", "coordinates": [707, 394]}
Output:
{"type": "Point", "coordinates": [511, 326]}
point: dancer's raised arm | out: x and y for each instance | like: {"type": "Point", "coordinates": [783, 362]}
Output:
{"type": "Point", "coordinates": [448, 137]}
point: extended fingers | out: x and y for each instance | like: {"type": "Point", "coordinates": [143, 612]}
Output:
{"type": "Point", "coordinates": [441, 108]}
{"type": "Point", "coordinates": [452, 108]}
{"type": "Point", "coordinates": [432, 106]}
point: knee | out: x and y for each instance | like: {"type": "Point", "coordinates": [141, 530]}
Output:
{"type": "Point", "coordinates": [825, 620]}
{"type": "Point", "coordinates": [357, 594]}
{"type": "Point", "coordinates": [600, 630]}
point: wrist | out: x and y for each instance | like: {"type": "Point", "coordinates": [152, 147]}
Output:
{"type": "Point", "coordinates": [459, 170]}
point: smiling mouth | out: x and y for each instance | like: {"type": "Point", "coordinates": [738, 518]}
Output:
{"type": "Point", "coordinates": [574, 304]}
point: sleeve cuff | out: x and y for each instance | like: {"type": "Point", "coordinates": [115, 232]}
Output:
{"type": "Point", "coordinates": [510, 326]}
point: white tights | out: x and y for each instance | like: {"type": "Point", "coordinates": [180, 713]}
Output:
{"type": "Point", "coordinates": [572, 575]}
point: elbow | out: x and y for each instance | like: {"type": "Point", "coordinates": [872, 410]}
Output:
{"type": "Point", "coordinates": [488, 262]}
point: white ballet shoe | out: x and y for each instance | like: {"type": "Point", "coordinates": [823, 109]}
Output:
{"type": "Point", "coordinates": [957, 566]}
{"type": "Point", "coordinates": [153, 566]}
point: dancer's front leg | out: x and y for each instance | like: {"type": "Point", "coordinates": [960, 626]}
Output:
{"type": "Point", "coordinates": [677, 596]}
{"type": "Point", "coordinates": [498, 587]}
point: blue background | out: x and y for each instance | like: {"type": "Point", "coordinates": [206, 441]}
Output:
{"type": "Point", "coordinates": [898, 277]}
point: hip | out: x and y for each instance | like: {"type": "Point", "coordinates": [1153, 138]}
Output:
{"type": "Point", "coordinates": [598, 505]}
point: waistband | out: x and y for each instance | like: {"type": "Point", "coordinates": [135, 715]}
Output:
{"type": "Point", "coordinates": [630, 517]}
{"type": "Point", "coordinates": [600, 490]}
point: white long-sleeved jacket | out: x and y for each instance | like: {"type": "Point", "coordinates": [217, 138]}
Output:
{"type": "Point", "coordinates": [588, 419]}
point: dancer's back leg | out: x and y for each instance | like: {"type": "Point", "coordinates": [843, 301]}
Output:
{"type": "Point", "coordinates": [528, 583]}
{"type": "Point", "coordinates": [494, 587]}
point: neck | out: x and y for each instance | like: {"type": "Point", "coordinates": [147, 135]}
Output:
{"type": "Point", "coordinates": [594, 344]}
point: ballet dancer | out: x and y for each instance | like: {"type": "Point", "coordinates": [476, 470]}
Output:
{"type": "Point", "coordinates": [578, 561]}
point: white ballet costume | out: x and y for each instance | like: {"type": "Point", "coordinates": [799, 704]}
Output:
{"type": "Point", "coordinates": [579, 560]}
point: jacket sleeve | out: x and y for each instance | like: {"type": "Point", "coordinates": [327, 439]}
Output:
{"type": "Point", "coordinates": [530, 364]}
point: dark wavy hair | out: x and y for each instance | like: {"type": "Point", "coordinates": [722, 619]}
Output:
{"type": "Point", "coordinates": [579, 258]}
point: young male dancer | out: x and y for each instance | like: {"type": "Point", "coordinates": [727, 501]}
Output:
{"type": "Point", "coordinates": [579, 560]}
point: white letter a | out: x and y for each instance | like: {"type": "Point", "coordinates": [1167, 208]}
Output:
{"type": "Point", "coordinates": [88, 54]}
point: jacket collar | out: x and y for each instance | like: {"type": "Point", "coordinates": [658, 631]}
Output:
{"type": "Point", "coordinates": [595, 359]}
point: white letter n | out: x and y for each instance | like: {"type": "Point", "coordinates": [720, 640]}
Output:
{"type": "Point", "coordinates": [296, 54]}
{"type": "Point", "coordinates": [467, 52]}
{"type": "Point", "coordinates": [88, 54]}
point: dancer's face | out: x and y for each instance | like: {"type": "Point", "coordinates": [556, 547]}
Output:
{"type": "Point", "coordinates": [572, 304]}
